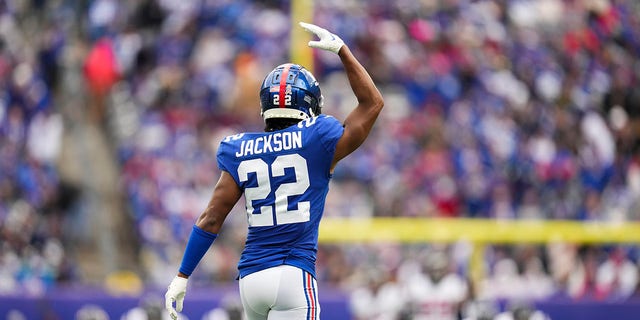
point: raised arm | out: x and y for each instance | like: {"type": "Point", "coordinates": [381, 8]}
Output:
{"type": "Point", "coordinates": [359, 122]}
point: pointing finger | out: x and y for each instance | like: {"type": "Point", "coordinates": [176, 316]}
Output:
{"type": "Point", "coordinates": [311, 28]}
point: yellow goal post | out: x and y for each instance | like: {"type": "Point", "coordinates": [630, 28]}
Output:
{"type": "Point", "coordinates": [478, 232]}
{"type": "Point", "coordinates": [299, 52]}
{"type": "Point", "coordinates": [408, 230]}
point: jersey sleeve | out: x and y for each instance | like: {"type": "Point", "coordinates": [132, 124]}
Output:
{"type": "Point", "coordinates": [225, 160]}
{"type": "Point", "coordinates": [221, 158]}
{"type": "Point", "coordinates": [329, 131]}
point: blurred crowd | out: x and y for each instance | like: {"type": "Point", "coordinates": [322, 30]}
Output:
{"type": "Point", "coordinates": [511, 109]}
{"type": "Point", "coordinates": [437, 282]}
{"type": "Point", "coordinates": [34, 202]}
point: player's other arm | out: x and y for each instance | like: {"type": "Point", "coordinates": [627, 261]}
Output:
{"type": "Point", "coordinates": [370, 102]}
{"type": "Point", "coordinates": [225, 195]}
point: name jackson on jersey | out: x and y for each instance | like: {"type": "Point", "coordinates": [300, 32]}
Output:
{"type": "Point", "coordinates": [275, 142]}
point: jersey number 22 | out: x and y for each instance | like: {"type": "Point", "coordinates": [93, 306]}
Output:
{"type": "Point", "coordinates": [282, 193]}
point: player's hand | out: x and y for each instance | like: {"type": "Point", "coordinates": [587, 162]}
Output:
{"type": "Point", "coordinates": [175, 293]}
{"type": "Point", "coordinates": [328, 41]}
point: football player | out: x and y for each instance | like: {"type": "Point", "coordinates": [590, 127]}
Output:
{"type": "Point", "coordinates": [284, 174]}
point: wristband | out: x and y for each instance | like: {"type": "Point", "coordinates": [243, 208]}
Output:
{"type": "Point", "coordinates": [198, 244]}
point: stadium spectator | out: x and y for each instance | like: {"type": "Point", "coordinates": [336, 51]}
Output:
{"type": "Point", "coordinates": [434, 290]}
{"type": "Point", "coordinates": [379, 297]}
{"type": "Point", "coordinates": [617, 276]}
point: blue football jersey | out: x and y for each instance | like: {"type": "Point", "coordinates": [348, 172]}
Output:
{"type": "Point", "coordinates": [285, 178]}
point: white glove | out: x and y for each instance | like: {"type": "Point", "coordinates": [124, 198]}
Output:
{"type": "Point", "coordinates": [328, 41]}
{"type": "Point", "coordinates": [176, 291]}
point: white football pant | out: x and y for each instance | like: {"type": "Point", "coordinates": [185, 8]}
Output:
{"type": "Point", "coordinates": [280, 293]}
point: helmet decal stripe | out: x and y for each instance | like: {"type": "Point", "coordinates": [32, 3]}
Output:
{"type": "Point", "coordinates": [283, 84]}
